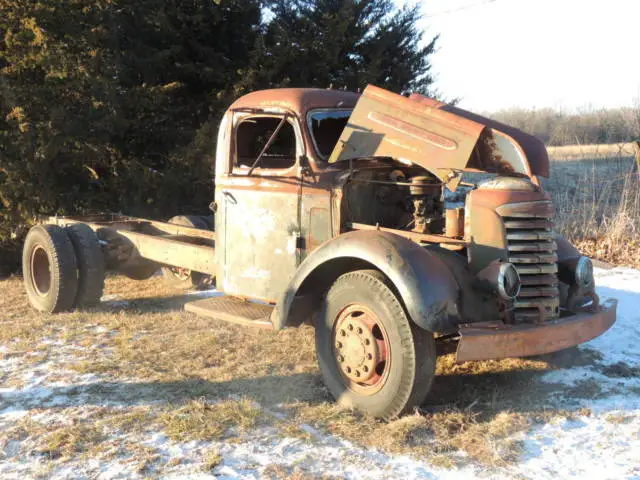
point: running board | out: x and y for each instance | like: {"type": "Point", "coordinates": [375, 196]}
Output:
{"type": "Point", "coordinates": [233, 310]}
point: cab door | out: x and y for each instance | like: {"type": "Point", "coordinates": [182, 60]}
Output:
{"type": "Point", "coordinates": [260, 230]}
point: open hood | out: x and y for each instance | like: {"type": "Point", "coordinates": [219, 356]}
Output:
{"type": "Point", "coordinates": [441, 138]}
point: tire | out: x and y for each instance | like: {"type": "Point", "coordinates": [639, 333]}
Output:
{"type": "Point", "coordinates": [209, 220]}
{"type": "Point", "coordinates": [141, 269]}
{"type": "Point", "coordinates": [50, 269]}
{"type": "Point", "coordinates": [404, 356]}
{"type": "Point", "coordinates": [91, 268]}
{"type": "Point", "coordinates": [182, 278]}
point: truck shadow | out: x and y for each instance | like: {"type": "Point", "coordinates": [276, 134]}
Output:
{"type": "Point", "coordinates": [488, 391]}
{"type": "Point", "coordinates": [157, 304]}
{"type": "Point", "coordinates": [269, 390]}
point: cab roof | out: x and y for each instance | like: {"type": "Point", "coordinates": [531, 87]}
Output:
{"type": "Point", "coordinates": [299, 100]}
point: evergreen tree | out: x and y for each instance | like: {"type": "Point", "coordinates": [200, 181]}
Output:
{"type": "Point", "coordinates": [113, 105]}
{"type": "Point", "coordinates": [104, 103]}
{"type": "Point", "coordinates": [344, 43]}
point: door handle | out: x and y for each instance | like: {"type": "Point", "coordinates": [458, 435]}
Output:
{"type": "Point", "coordinates": [229, 196]}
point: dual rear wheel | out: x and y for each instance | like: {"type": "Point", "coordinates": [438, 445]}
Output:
{"type": "Point", "coordinates": [63, 268]}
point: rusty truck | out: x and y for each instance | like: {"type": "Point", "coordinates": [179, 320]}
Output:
{"type": "Point", "coordinates": [388, 222]}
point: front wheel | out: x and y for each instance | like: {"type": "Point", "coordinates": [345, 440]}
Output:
{"type": "Point", "coordinates": [372, 357]}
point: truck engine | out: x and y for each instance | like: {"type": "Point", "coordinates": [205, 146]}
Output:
{"type": "Point", "coordinates": [405, 198]}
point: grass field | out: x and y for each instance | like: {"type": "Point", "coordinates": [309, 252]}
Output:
{"type": "Point", "coordinates": [597, 201]}
{"type": "Point", "coordinates": [96, 386]}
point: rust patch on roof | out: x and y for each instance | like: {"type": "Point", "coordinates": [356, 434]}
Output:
{"type": "Point", "coordinates": [297, 100]}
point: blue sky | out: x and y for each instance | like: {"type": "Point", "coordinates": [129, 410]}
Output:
{"type": "Point", "coordinates": [568, 54]}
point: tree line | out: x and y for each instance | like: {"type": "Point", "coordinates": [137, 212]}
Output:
{"type": "Point", "coordinates": [555, 127]}
{"type": "Point", "coordinates": [113, 105]}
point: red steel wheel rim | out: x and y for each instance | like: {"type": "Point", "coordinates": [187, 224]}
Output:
{"type": "Point", "coordinates": [361, 349]}
{"type": "Point", "coordinates": [40, 271]}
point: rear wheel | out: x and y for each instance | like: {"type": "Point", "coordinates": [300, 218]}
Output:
{"type": "Point", "coordinates": [372, 357]}
{"type": "Point", "coordinates": [50, 269]}
{"type": "Point", "coordinates": [183, 278]}
{"type": "Point", "coordinates": [91, 269]}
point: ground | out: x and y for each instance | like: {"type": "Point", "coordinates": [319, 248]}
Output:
{"type": "Point", "coordinates": [137, 388]}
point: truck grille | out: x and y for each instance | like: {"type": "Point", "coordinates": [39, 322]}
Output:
{"type": "Point", "coordinates": [532, 250]}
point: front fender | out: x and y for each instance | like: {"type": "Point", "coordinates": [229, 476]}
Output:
{"type": "Point", "coordinates": [426, 286]}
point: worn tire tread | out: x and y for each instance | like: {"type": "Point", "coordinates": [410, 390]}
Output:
{"type": "Point", "coordinates": [63, 264]}
{"type": "Point", "coordinates": [91, 267]}
{"type": "Point", "coordinates": [418, 345]}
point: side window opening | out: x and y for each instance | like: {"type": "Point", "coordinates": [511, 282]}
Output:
{"type": "Point", "coordinates": [253, 134]}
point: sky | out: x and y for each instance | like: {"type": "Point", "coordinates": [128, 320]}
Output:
{"type": "Point", "coordinates": [569, 54]}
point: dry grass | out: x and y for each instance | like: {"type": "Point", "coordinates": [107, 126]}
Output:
{"type": "Point", "coordinates": [199, 420]}
{"type": "Point", "coordinates": [280, 472]}
{"type": "Point", "coordinates": [211, 460]}
{"type": "Point", "coordinates": [619, 418]}
{"type": "Point", "coordinates": [199, 379]}
{"type": "Point", "coordinates": [68, 441]}
{"type": "Point", "coordinates": [567, 152]}
{"type": "Point", "coordinates": [597, 202]}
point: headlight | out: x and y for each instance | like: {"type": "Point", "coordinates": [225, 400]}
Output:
{"type": "Point", "coordinates": [584, 272]}
{"type": "Point", "coordinates": [508, 281]}
{"type": "Point", "coordinates": [501, 277]}
{"type": "Point", "coordinates": [577, 271]}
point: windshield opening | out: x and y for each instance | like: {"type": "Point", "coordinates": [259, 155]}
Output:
{"type": "Point", "coordinates": [326, 126]}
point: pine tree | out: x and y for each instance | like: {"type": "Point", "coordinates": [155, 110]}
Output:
{"type": "Point", "coordinates": [344, 43]}
{"type": "Point", "coordinates": [105, 104]}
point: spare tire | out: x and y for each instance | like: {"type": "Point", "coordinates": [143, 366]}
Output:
{"type": "Point", "coordinates": [50, 269]}
{"type": "Point", "coordinates": [90, 264]}
{"type": "Point", "coordinates": [183, 278]}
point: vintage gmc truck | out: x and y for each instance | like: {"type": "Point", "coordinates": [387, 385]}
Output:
{"type": "Point", "coordinates": [387, 222]}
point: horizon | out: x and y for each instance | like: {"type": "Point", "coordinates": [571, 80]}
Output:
{"type": "Point", "coordinates": [567, 68]}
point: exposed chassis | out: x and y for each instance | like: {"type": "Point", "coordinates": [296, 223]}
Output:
{"type": "Point", "coordinates": [126, 239]}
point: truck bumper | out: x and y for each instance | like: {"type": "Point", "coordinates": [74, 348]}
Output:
{"type": "Point", "coordinates": [493, 340]}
